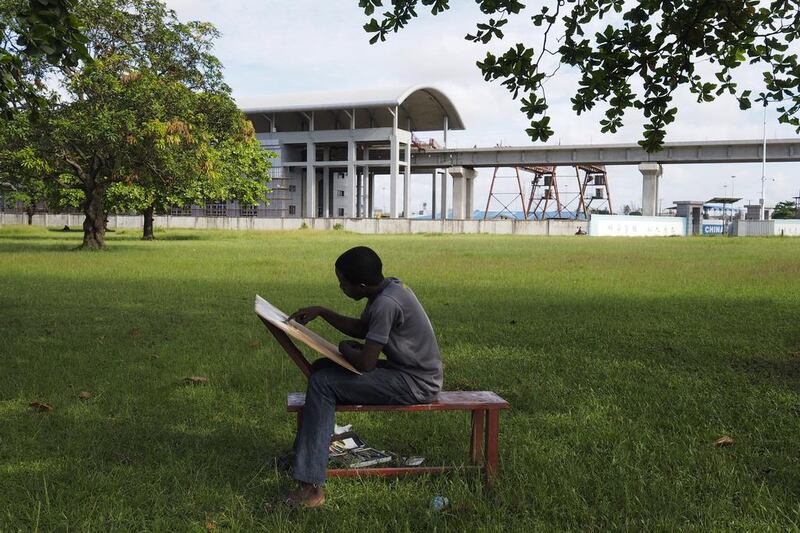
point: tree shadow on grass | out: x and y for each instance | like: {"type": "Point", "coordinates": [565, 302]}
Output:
{"type": "Point", "coordinates": [62, 230]}
{"type": "Point", "coordinates": [763, 370]}
{"type": "Point", "coordinates": [640, 358]}
{"type": "Point", "coordinates": [25, 246]}
{"type": "Point", "coordinates": [145, 464]}
{"type": "Point", "coordinates": [129, 235]}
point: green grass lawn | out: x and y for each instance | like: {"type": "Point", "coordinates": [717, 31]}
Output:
{"type": "Point", "coordinates": [623, 361]}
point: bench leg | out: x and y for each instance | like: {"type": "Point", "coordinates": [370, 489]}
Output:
{"type": "Point", "coordinates": [476, 442]}
{"type": "Point", "coordinates": [492, 434]}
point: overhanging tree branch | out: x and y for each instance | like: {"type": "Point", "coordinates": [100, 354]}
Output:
{"type": "Point", "coordinates": [655, 42]}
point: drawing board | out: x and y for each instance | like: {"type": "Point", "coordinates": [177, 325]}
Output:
{"type": "Point", "coordinates": [313, 340]}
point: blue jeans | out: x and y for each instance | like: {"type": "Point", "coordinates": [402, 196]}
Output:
{"type": "Point", "coordinates": [328, 385]}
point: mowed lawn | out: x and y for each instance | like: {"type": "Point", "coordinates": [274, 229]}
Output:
{"type": "Point", "coordinates": [623, 360]}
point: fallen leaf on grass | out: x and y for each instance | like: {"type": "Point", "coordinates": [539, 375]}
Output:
{"type": "Point", "coordinates": [135, 332]}
{"type": "Point", "coordinates": [85, 395]}
{"type": "Point", "coordinates": [254, 344]}
{"type": "Point", "coordinates": [41, 406]}
{"type": "Point", "coordinates": [196, 380]}
{"type": "Point", "coordinates": [211, 526]}
{"type": "Point", "coordinates": [724, 442]}
{"type": "Point", "coordinates": [122, 457]}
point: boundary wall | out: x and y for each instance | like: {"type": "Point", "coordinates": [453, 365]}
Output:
{"type": "Point", "coordinates": [636, 226]}
{"type": "Point", "coordinates": [356, 225]}
{"type": "Point", "coordinates": [607, 225]}
{"type": "Point", "coordinates": [764, 228]}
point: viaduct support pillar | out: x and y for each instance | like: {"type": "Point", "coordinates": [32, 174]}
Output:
{"type": "Point", "coordinates": [462, 185]}
{"type": "Point", "coordinates": [470, 197]}
{"type": "Point", "coordinates": [651, 173]}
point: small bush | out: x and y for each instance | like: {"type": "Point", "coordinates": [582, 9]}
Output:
{"type": "Point", "coordinates": [303, 226]}
{"type": "Point", "coordinates": [338, 226]}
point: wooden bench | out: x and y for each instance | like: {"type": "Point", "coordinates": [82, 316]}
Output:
{"type": "Point", "coordinates": [485, 407]}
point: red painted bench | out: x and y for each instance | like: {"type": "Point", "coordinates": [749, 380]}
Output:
{"type": "Point", "coordinates": [484, 405]}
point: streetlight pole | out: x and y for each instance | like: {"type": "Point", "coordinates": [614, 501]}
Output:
{"type": "Point", "coordinates": [763, 165]}
{"type": "Point", "coordinates": [724, 220]}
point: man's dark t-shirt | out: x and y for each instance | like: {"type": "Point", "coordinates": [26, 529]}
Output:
{"type": "Point", "coordinates": [397, 320]}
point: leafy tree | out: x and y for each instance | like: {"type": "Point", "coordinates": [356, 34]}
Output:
{"type": "Point", "coordinates": [37, 31]}
{"type": "Point", "coordinates": [787, 209]}
{"type": "Point", "coordinates": [645, 51]}
{"type": "Point", "coordinates": [184, 148]}
{"type": "Point", "coordinates": [26, 177]}
{"type": "Point", "coordinates": [150, 112]}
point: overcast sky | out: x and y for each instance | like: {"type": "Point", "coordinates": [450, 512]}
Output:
{"type": "Point", "coordinates": [283, 46]}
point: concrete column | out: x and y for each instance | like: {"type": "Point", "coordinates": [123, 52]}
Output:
{"type": "Point", "coordinates": [326, 184]}
{"type": "Point", "coordinates": [443, 194]}
{"type": "Point", "coordinates": [651, 173]}
{"type": "Point", "coordinates": [394, 165]}
{"type": "Point", "coordinates": [370, 193]}
{"type": "Point", "coordinates": [359, 193]}
{"type": "Point", "coordinates": [407, 183]}
{"type": "Point", "coordinates": [458, 197]}
{"type": "Point", "coordinates": [311, 181]}
{"type": "Point", "coordinates": [445, 127]}
{"type": "Point", "coordinates": [352, 179]}
{"type": "Point", "coordinates": [367, 210]}
{"type": "Point", "coordinates": [462, 179]}
{"type": "Point", "coordinates": [433, 195]}
{"type": "Point", "coordinates": [470, 207]}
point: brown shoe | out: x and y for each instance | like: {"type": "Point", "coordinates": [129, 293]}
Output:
{"type": "Point", "coordinates": [307, 496]}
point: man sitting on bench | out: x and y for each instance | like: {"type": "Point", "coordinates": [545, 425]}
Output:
{"type": "Point", "coordinates": [393, 322]}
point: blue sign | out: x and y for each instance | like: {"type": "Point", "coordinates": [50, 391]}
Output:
{"type": "Point", "coordinates": [712, 229]}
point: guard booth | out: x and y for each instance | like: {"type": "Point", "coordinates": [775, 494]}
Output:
{"type": "Point", "coordinates": [693, 212]}
{"type": "Point", "coordinates": [697, 213]}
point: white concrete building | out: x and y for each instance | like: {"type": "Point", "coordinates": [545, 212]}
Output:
{"type": "Point", "coordinates": [330, 146]}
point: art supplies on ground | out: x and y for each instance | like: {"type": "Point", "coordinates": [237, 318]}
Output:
{"type": "Point", "coordinates": [348, 450]}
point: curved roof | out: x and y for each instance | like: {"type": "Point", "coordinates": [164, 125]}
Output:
{"type": "Point", "coordinates": [425, 106]}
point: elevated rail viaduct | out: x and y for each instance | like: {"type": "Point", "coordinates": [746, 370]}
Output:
{"type": "Point", "coordinates": [650, 165]}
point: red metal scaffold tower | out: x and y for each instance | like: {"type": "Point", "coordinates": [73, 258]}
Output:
{"type": "Point", "coordinates": [598, 199]}
{"type": "Point", "coordinates": [503, 197]}
{"type": "Point", "coordinates": [544, 190]}
{"type": "Point", "coordinates": [593, 193]}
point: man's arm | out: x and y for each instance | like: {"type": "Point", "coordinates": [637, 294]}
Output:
{"type": "Point", "coordinates": [352, 327]}
{"type": "Point", "coordinates": [362, 356]}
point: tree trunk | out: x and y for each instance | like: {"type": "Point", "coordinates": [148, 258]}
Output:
{"type": "Point", "coordinates": [94, 225]}
{"type": "Point", "coordinates": [147, 233]}
{"type": "Point", "coordinates": [29, 211]}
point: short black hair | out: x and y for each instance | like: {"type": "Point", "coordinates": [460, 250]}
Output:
{"type": "Point", "coordinates": [360, 265]}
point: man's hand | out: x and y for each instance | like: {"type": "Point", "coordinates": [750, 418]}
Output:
{"type": "Point", "coordinates": [362, 356]}
{"type": "Point", "coordinates": [352, 327]}
{"type": "Point", "coordinates": [348, 346]}
{"type": "Point", "coordinates": [306, 314]}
